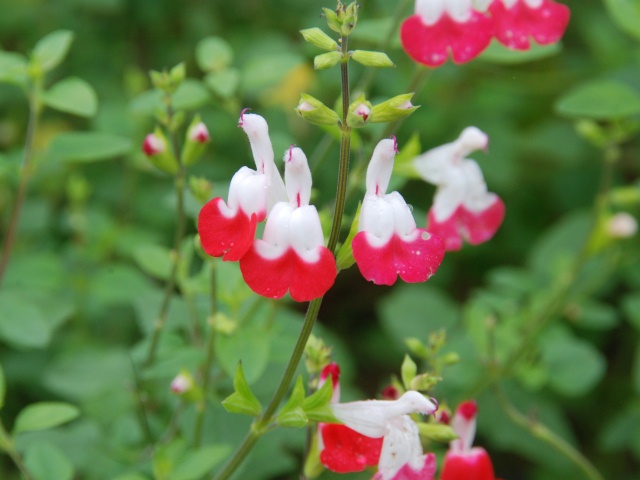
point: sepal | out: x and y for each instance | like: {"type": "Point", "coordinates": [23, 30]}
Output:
{"type": "Point", "coordinates": [408, 371]}
{"type": "Point", "coordinates": [292, 414]}
{"type": "Point", "coordinates": [242, 400]}
{"type": "Point", "coordinates": [393, 109]}
{"type": "Point", "coordinates": [437, 432]}
{"type": "Point", "coordinates": [372, 59]}
{"type": "Point", "coordinates": [326, 60]}
{"type": "Point", "coordinates": [344, 258]}
{"type": "Point", "coordinates": [318, 38]}
{"type": "Point", "coordinates": [156, 148]}
{"type": "Point", "coordinates": [314, 111]}
{"type": "Point", "coordinates": [316, 406]}
{"type": "Point", "coordinates": [359, 113]}
{"type": "Point", "coordinates": [196, 140]}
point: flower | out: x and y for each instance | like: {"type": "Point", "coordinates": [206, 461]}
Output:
{"type": "Point", "coordinates": [291, 255]}
{"type": "Point", "coordinates": [227, 229]}
{"type": "Point", "coordinates": [401, 457]}
{"type": "Point", "coordinates": [517, 20]}
{"type": "Point", "coordinates": [462, 208]}
{"type": "Point", "coordinates": [388, 243]}
{"type": "Point", "coordinates": [462, 462]}
{"type": "Point", "coordinates": [153, 145]}
{"type": "Point", "coordinates": [442, 27]}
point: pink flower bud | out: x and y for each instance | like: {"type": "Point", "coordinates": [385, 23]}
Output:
{"type": "Point", "coordinates": [181, 383]}
{"type": "Point", "coordinates": [153, 145]}
{"type": "Point", "coordinates": [363, 111]}
{"type": "Point", "coordinates": [622, 225]}
{"type": "Point", "coordinates": [199, 133]}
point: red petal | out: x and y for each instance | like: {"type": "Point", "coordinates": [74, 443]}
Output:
{"type": "Point", "coordinates": [513, 26]}
{"type": "Point", "coordinates": [475, 465]}
{"type": "Point", "coordinates": [274, 277]}
{"type": "Point", "coordinates": [346, 450]}
{"type": "Point", "coordinates": [414, 261]}
{"type": "Point", "coordinates": [431, 44]}
{"type": "Point", "coordinates": [229, 236]}
{"type": "Point", "coordinates": [474, 227]}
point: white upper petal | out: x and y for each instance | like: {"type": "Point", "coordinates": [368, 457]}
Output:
{"type": "Point", "coordinates": [380, 167]}
{"type": "Point", "coordinates": [370, 417]}
{"type": "Point", "coordinates": [276, 235]}
{"type": "Point", "coordinates": [306, 233]}
{"type": "Point", "coordinates": [432, 10]}
{"type": "Point", "coordinates": [376, 218]}
{"type": "Point", "coordinates": [297, 177]}
{"type": "Point", "coordinates": [248, 191]}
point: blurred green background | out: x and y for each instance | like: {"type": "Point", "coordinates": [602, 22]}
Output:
{"type": "Point", "coordinates": [86, 274]}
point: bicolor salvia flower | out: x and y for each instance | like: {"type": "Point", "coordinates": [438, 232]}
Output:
{"type": "Point", "coordinates": [440, 28]}
{"type": "Point", "coordinates": [463, 29]}
{"type": "Point", "coordinates": [462, 208]}
{"type": "Point", "coordinates": [516, 21]}
{"type": "Point", "coordinates": [462, 461]}
{"type": "Point", "coordinates": [227, 229]}
{"type": "Point", "coordinates": [401, 456]}
{"type": "Point", "coordinates": [342, 449]}
{"type": "Point", "coordinates": [291, 255]}
{"type": "Point", "coordinates": [388, 243]}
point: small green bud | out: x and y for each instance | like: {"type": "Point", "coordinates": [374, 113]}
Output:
{"type": "Point", "coordinates": [326, 60]}
{"type": "Point", "coordinates": [450, 358]}
{"type": "Point", "coordinates": [158, 79]}
{"type": "Point", "coordinates": [177, 75]}
{"type": "Point", "coordinates": [200, 188]}
{"type": "Point", "coordinates": [316, 112]}
{"type": "Point", "coordinates": [437, 432]}
{"type": "Point", "coordinates": [223, 324]}
{"type": "Point", "coordinates": [416, 347]}
{"type": "Point", "coordinates": [317, 355]}
{"type": "Point", "coordinates": [332, 19]}
{"type": "Point", "coordinates": [393, 109]}
{"type": "Point", "coordinates": [185, 386]}
{"type": "Point", "coordinates": [318, 38]}
{"type": "Point", "coordinates": [424, 382]}
{"type": "Point", "coordinates": [359, 112]}
{"type": "Point", "coordinates": [372, 59]}
{"type": "Point", "coordinates": [156, 148]}
{"type": "Point", "coordinates": [349, 19]}
{"type": "Point", "coordinates": [197, 138]}
{"type": "Point", "coordinates": [408, 371]}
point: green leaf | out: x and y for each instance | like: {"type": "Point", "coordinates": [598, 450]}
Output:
{"type": "Point", "coordinates": [213, 54]}
{"type": "Point", "coordinates": [574, 365]}
{"type": "Point", "coordinates": [45, 461]}
{"type": "Point", "coordinates": [437, 432]}
{"type": "Point", "coordinates": [197, 464]}
{"type": "Point", "coordinates": [600, 100]}
{"type": "Point", "coordinates": [251, 345]}
{"type": "Point", "coordinates": [626, 14]}
{"type": "Point", "coordinates": [3, 387]}
{"type": "Point", "coordinates": [224, 83]}
{"type": "Point", "coordinates": [72, 95]}
{"type": "Point", "coordinates": [292, 414]}
{"type": "Point", "coordinates": [498, 53]}
{"type": "Point", "coordinates": [344, 258]}
{"type": "Point", "coordinates": [631, 308]}
{"type": "Point", "coordinates": [51, 50]}
{"type": "Point", "coordinates": [154, 260]}
{"type": "Point", "coordinates": [13, 68]}
{"type": "Point", "coordinates": [317, 406]}
{"type": "Point", "coordinates": [403, 163]}
{"type": "Point", "coordinates": [22, 324]}
{"type": "Point", "coordinates": [242, 400]}
{"type": "Point", "coordinates": [88, 146]}
{"type": "Point", "coordinates": [44, 415]}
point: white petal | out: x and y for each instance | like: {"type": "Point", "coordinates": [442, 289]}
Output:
{"type": "Point", "coordinates": [430, 10]}
{"type": "Point", "coordinates": [305, 234]}
{"type": "Point", "coordinates": [401, 445]}
{"type": "Point", "coordinates": [404, 223]}
{"type": "Point", "coordinates": [276, 232]}
{"type": "Point", "coordinates": [297, 177]}
{"type": "Point", "coordinates": [376, 218]}
{"type": "Point", "coordinates": [380, 167]}
{"type": "Point", "coordinates": [248, 191]}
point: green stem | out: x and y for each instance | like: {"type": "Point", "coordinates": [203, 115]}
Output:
{"type": "Point", "coordinates": [180, 232]}
{"type": "Point", "coordinates": [6, 444]}
{"type": "Point", "coordinates": [25, 175]}
{"type": "Point", "coordinates": [206, 369]}
{"type": "Point", "coordinates": [540, 431]}
{"type": "Point", "coordinates": [263, 422]}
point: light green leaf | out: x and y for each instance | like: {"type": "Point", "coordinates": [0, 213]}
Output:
{"type": "Point", "coordinates": [88, 146]}
{"type": "Point", "coordinates": [3, 387]}
{"type": "Point", "coordinates": [251, 345]}
{"type": "Point", "coordinates": [13, 68]}
{"type": "Point", "coordinates": [242, 400]}
{"type": "Point", "coordinates": [22, 324]}
{"type": "Point", "coordinates": [498, 53]}
{"type": "Point", "coordinates": [72, 95]}
{"type": "Point", "coordinates": [45, 461]}
{"type": "Point", "coordinates": [316, 406]}
{"type": "Point", "coordinates": [626, 14]}
{"type": "Point", "coordinates": [154, 260]}
{"type": "Point", "coordinates": [224, 83]}
{"type": "Point", "coordinates": [292, 415]}
{"type": "Point", "coordinates": [191, 95]}
{"type": "Point", "coordinates": [197, 464]}
{"type": "Point", "coordinates": [213, 54]}
{"type": "Point", "coordinates": [44, 415]}
{"type": "Point", "coordinates": [600, 100]}
{"type": "Point", "coordinates": [51, 50]}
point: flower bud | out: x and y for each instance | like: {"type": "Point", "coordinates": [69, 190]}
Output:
{"type": "Point", "coordinates": [318, 38]}
{"type": "Point", "coordinates": [393, 109]}
{"type": "Point", "coordinates": [359, 112]}
{"type": "Point", "coordinates": [326, 60]}
{"type": "Point", "coordinates": [200, 188]}
{"type": "Point", "coordinates": [156, 147]}
{"type": "Point", "coordinates": [408, 371]}
{"type": "Point", "coordinates": [185, 387]}
{"type": "Point", "coordinates": [621, 225]}
{"type": "Point", "coordinates": [195, 142]}
{"type": "Point", "coordinates": [424, 382]}
{"type": "Point", "coordinates": [372, 59]}
{"type": "Point", "coordinates": [316, 112]}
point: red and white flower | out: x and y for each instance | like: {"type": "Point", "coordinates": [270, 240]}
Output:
{"type": "Point", "coordinates": [227, 229]}
{"type": "Point", "coordinates": [440, 28]}
{"type": "Point", "coordinates": [291, 255]}
{"type": "Point", "coordinates": [516, 21]}
{"type": "Point", "coordinates": [462, 461]}
{"type": "Point", "coordinates": [388, 242]}
{"type": "Point", "coordinates": [462, 207]}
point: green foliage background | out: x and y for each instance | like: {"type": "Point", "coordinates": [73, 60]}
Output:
{"type": "Point", "coordinates": [85, 279]}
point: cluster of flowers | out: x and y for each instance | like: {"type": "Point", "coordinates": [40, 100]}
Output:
{"type": "Point", "coordinates": [464, 28]}
{"type": "Point", "coordinates": [291, 255]}
{"type": "Point", "coordinates": [382, 433]}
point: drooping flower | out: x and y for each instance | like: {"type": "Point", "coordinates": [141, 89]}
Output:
{"type": "Point", "coordinates": [342, 449]}
{"type": "Point", "coordinates": [440, 28]}
{"type": "Point", "coordinates": [227, 229]}
{"type": "Point", "coordinates": [462, 208]}
{"type": "Point", "coordinates": [401, 457]}
{"type": "Point", "coordinates": [388, 243]}
{"type": "Point", "coordinates": [515, 21]}
{"type": "Point", "coordinates": [462, 461]}
{"type": "Point", "coordinates": [291, 255]}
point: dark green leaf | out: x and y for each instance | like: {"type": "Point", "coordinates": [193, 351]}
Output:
{"type": "Point", "coordinates": [498, 53]}
{"type": "Point", "coordinates": [3, 387]}
{"type": "Point", "coordinates": [46, 461]}
{"type": "Point", "coordinates": [242, 400]}
{"type": "Point", "coordinates": [251, 345]}
{"type": "Point", "coordinates": [88, 146]}
{"type": "Point", "coordinates": [626, 14]}
{"type": "Point", "coordinates": [72, 95]}
{"type": "Point", "coordinates": [196, 464]}
{"type": "Point", "coordinates": [44, 415]}
{"type": "Point", "coordinates": [600, 100]}
{"type": "Point", "coordinates": [631, 307]}
{"type": "Point", "coordinates": [22, 324]}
